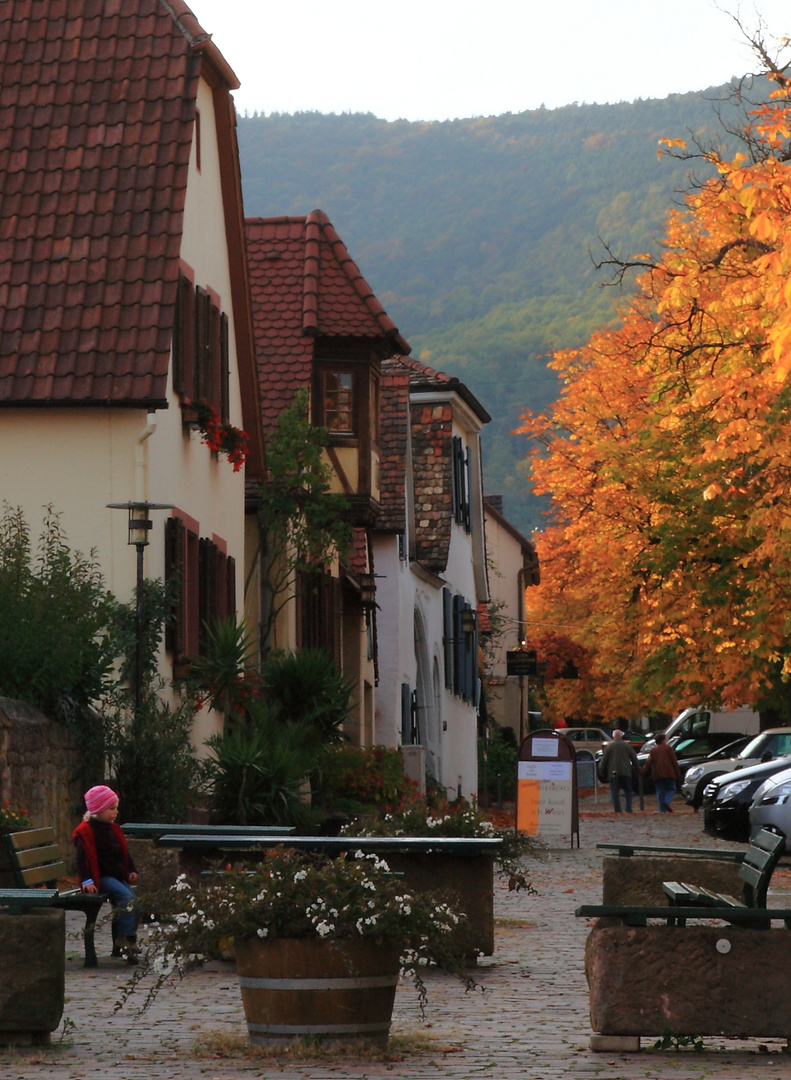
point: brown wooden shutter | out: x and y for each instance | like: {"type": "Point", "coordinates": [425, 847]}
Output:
{"type": "Point", "coordinates": [225, 369]}
{"type": "Point", "coordinates": [230, 587]}
{"type": "Point", "coordinates": [174, 570]}
{"type": "Point", "coordinates": [202, 346]}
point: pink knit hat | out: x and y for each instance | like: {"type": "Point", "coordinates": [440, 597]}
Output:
{"type": "Point", "coordinates": [99, 798]}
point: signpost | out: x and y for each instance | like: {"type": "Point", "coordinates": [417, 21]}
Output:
{"type": "Point", "coordinates": [546, 787]}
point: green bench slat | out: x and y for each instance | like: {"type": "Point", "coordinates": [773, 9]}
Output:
{"type": "Point", "coordinates": [144, 830]}
{"type": "Point", "coordinates": [638, 916]}
{"type": "Point", "coordinates": [20, 900]}
{"type": "Point", "coordinates": [628, 850]}
{"type": "Point", "coordinates": [332, 845]}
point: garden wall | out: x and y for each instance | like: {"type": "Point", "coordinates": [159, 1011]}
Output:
{"type": "Point", "coordinates": [38, 763]}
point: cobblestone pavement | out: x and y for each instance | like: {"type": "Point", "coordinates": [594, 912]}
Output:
{"type": "Point", "coordinates": [531, 1020]}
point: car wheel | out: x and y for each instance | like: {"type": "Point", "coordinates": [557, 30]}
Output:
{"type": "Point", "coordinates": [697, 799]}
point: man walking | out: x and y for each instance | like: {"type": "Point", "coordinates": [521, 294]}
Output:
{"type": "Point", "coordinates": [663, 765]}
{"type": "Point", "coordinates": [617, 763]}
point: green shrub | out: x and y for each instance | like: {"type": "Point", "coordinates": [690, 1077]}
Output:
{"type": "Point", "coordinates": [501, 759]}
{"type": "Point", "coordinates": [151, 759]}
{"type": "Point", "coordinates": [360, 780]}
{"type": "Point", "coordinates": [56, 649]}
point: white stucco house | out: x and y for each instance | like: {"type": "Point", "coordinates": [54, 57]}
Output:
{"type": "Point", "coordinates": [430, 565]}
{"type": "Point", "coordinates": [513, 568]}
{"type": "Point", "coordinates": [124, 295]}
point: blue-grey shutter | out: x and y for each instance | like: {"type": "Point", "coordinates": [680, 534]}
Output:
{"type": "Point", "coordinates": [447, 636]}
{"type": "Point", "coordinates": [406, 714]}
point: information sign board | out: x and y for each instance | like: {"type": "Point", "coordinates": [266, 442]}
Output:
{"type": "Point", "coordinates": [546, 783]}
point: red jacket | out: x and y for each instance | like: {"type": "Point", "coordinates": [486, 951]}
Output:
{"type": "Point", "coordinates": [83, 836]}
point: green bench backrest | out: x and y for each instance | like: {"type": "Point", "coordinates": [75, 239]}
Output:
{"type": "Point", "coordinates": [756, 870]}
{"type": "Point", "coordinates": [35, 858]}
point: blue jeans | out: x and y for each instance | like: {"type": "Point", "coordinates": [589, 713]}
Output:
{"type": "Point", "coordinates": [620, 784]}
{"type": "Point", "coordinates": [124, 903]}
{"type": "Point", "coordinates": [665, 790]}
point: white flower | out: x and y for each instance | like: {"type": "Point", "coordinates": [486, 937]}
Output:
{"type": "Point", "coordinates": [262, 931]}
{"type": "Point", "coordinates": [163, 964]}
{"type": "Point", "coordinates": [324, 928]}
{"type": "Point", "coordinates": [300, 875]}
{"type": "Point", "coordinates": [180, 883]}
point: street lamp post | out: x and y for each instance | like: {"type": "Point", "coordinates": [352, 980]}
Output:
{"type": "Point", "coordinates": [139, 526]}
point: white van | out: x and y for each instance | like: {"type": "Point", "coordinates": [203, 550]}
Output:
{"type": "Point", "coordinates": [701, 723]}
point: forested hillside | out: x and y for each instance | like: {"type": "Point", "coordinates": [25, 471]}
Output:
{"type": "Point", "coordinates": [477, 234]}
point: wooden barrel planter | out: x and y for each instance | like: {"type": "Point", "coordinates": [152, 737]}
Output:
{"type": "Point", "coordinates": [319, 988]}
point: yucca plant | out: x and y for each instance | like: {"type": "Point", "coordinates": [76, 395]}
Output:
{"type": "Point", "coordinates": [305, 687]}
{"type": "Point", "coordinates": [256, 771]}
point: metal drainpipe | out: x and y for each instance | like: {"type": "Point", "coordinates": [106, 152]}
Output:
{"type": "Point", "coordinates": [140, 457]}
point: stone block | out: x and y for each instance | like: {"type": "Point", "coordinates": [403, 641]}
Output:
{"type": "Point", "coordinates": [694, 980]}
{"type": "Point", "coordinates": [158, 867]}
{"type": "Point", "coordinates": [637, 879]}
{"type": "Point", "coordinates": [33, 966]}
{"type": "Point", "coordinates": [615, 1044]}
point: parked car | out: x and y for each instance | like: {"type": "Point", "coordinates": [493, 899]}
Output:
{"type": "Point", "coordinates": [771, 805]}
{"type": "Point", "coordinates": [770, 744]}
{"type": "Point", "coordinates": [634, 738]}
{"type": "Point", "coordinates": [587, 738]}
{"type": "Point", "coordinates": [690, 751]}
{"type": "Point", "coordinates": [727, 798]}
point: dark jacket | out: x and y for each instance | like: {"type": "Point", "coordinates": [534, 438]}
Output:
{"type": "Point", "coordinates": [618, 759]}
{"type": "Point", "coordinates": [662, 763]}
{"type": "Point", "coordinates": [102, 851]}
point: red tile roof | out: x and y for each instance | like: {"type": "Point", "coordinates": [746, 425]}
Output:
{"type": "Point", "coordinates": [305, 285]}
{"type": "Point", "coordinates": [97, 102]}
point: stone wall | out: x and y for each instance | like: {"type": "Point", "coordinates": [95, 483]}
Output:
{"type": "Point", "coordinates": [38, 765]}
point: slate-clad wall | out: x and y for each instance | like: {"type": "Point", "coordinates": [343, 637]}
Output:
{"type": "Point", "coordinates": [38, 763]}
{"type": "Point", "coordinates": [432, 431]}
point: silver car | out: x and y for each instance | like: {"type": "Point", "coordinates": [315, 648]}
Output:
{"type": "Point", "coordinates": [771, 805]}
{"type": "Point", "coordinates": [770, 744]}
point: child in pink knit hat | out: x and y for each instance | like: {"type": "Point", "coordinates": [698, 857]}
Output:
{"type": "Point", "coordinates": [105, 865]}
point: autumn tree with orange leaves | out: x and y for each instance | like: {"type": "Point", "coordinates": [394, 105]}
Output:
{"type": "Point", "coordinates": [668, 455]}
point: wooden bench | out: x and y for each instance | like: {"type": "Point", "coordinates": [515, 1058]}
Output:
{"type": "Point", "coordinates": [757, 867]}
{"type": "Point", "coordinates": [36, 860]}
{"type": "Point", "coordinates": [694, 902]}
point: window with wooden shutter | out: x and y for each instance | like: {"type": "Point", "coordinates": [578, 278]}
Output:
{"type": "Point", "coordinates": [447, 636]}
{"type": "Point", "coordinates": [201, 348]}
{"type": "Point", "coordinates": [206, 590]}
{"type": "Point", "coordinates": [461, 483]}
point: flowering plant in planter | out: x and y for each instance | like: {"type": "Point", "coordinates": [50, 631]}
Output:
{"type": "Point", "coordinates": [11, 820]}
{"type": "Point", "coordinates": [222, 438]}
{"type": "Point", "coordinates": [302, 896]}
{"type": "Point", "coordinates": [463, 819]}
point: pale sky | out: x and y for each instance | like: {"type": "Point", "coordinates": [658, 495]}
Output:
{"type": "Point", "coordinates": [439, 59]}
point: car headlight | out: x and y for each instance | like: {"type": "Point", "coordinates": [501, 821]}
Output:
{"type": "Point", "coordinates": [694, 774]}
{"type": "Point", "coordinates": [779, 794]}
{"type": "Point", "coordinates": [729, 791]}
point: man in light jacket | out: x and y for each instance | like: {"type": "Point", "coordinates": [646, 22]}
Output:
{"type": "Point", "coordinates": [617, 764]}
